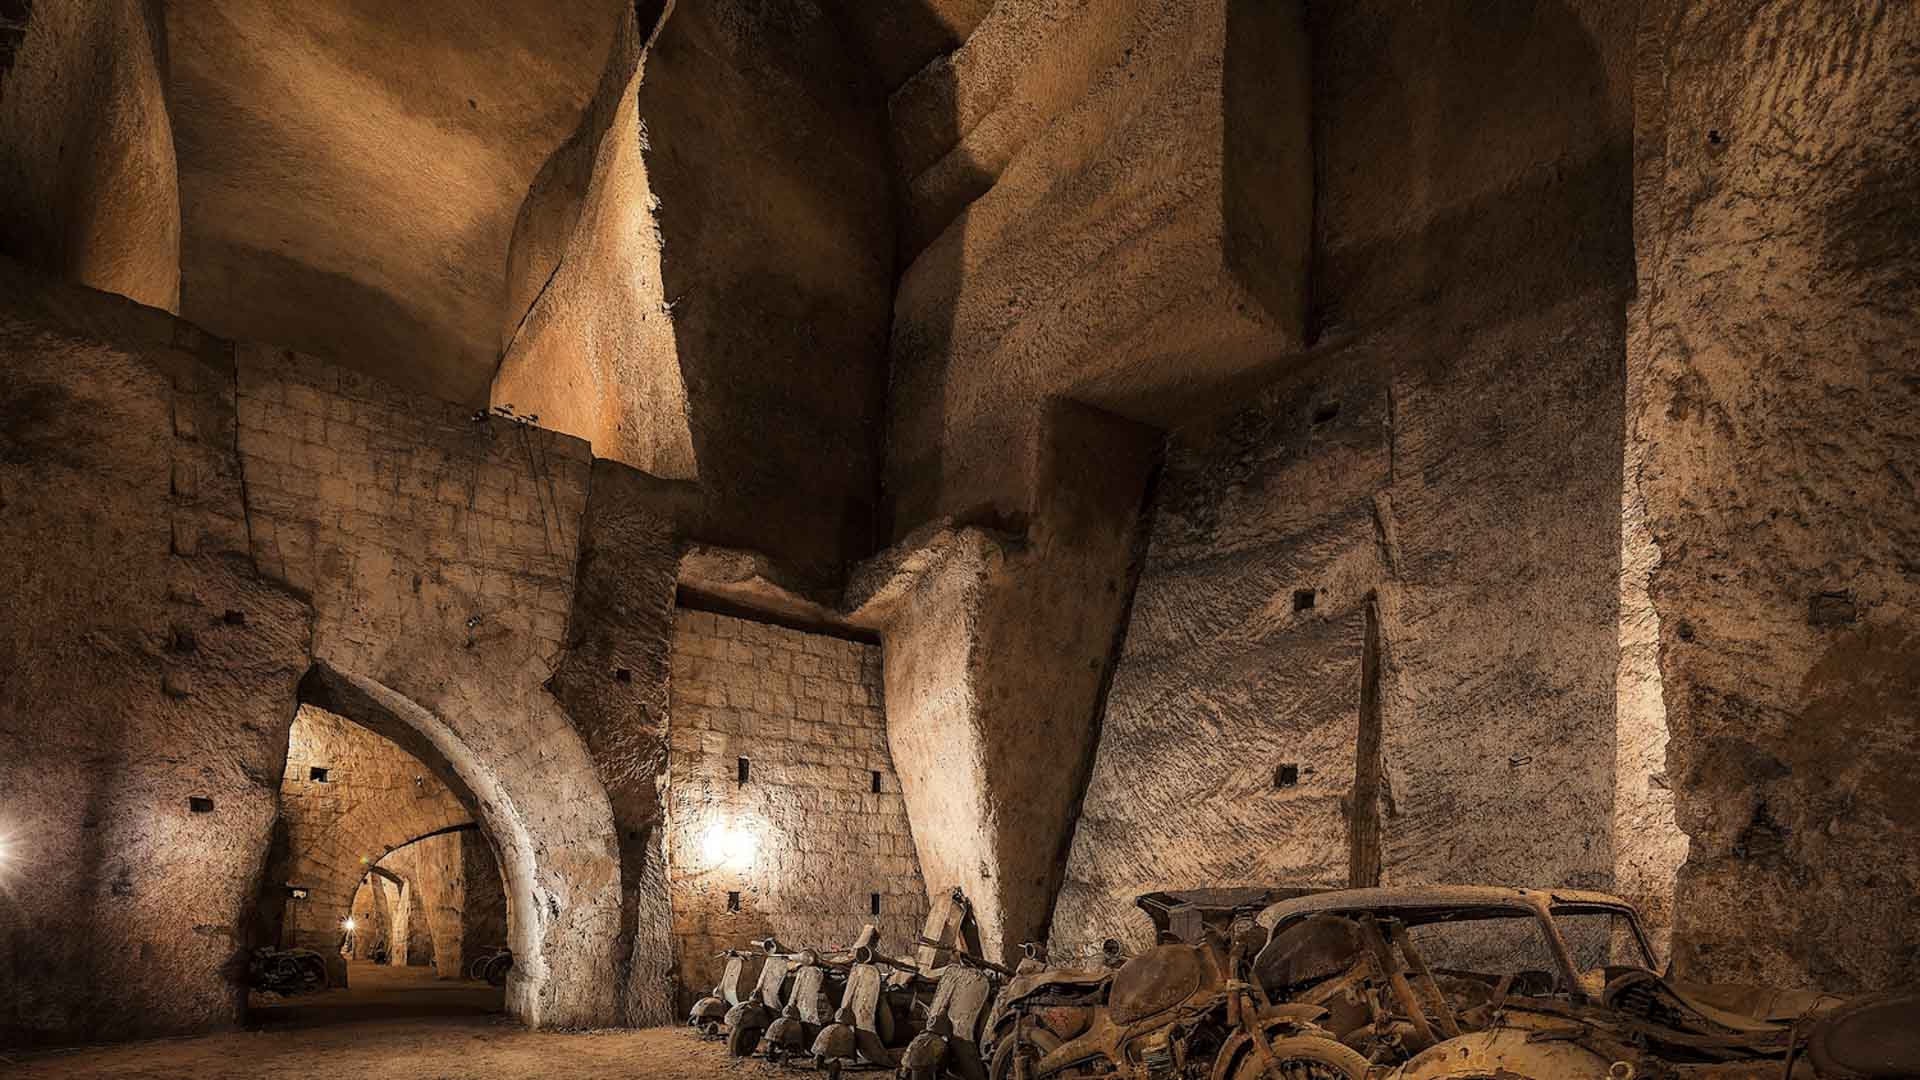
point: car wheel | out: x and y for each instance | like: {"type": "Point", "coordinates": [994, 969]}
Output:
{"type": "Point", "coordinates": [1302, 1057]}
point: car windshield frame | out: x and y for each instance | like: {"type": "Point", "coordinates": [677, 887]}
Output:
{"type": "Point", "coordinates": [1558, 908]}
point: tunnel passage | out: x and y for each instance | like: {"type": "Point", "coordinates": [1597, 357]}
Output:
{"type": "Point", "coordinates": [559, 951]}
{"type": "Point", "coordinates": [348, 798]}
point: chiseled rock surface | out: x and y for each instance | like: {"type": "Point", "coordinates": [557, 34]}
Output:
{"type": "Point", "coordinates": [350, 172]}
{"type": "Point", "coordinates": [997, 667]}
{"type": "Point", "coordinates": [709, 263]}
{"type": "Point", "coordinates": [86, 147]}
{"type": "Point", "coordinates": [1777, 226]}
{"type": "Point", "coordinates": [1455, 445]}
{"type": "Point", "coordinates": [1108, 201]}
{"type": "Point", "coordinates": [149, 677]}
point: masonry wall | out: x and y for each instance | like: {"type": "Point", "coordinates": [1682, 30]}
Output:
{"type": "Point", "coordinates": [804, 710]}
{"type": "Point", "coordinates": [439, 546]}
{"type": "Point", "coordinates": [219, 505]}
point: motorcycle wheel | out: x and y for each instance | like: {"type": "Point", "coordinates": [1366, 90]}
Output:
{"type": "Point", "coordinates": [497, 969]}
{"type": "Point", "coordinates": [1036, 1045]}
{"type": "Point", "coordinates": [1303, 1057]}
{"type": "Point", "coordinates": [741, 1041]}
{"type": "Point", "coordinates": [313, 973]}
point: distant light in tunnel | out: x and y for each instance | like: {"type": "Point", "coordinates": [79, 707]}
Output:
{"type": "Point", "coordinates": [729, 847]}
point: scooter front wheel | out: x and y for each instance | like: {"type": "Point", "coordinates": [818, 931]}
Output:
{"type": "Point", "coordinates": [741, 1041]}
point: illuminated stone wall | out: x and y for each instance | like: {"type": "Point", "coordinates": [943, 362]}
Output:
{"type": "Point", "coordinates": [803, 711]}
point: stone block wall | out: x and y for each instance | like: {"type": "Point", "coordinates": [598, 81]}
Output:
{"type": "Point", "coordinates": [241, 556]}
{"type": "Point", "coordinates": [804, 712]}
{"type": "Point", "coordinates": [439, 548]}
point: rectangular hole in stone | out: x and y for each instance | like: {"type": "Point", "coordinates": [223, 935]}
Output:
{"type": "Point", "coordinates": [744, 767]}
{"type": "Point", "coordinates": [200, 804]}
{"type": "Point", "coordinates": [622, 675]}
{"type": "Point", "coordinates": [876, 783]}
{"type": "Point", "coordinates": [733, 901]}
{"type": "Point", "coordinates": [873, 903]}
{"type": "Point", "coordinates": [317, 774]}
{"type": "Point", "coordinates": [1303, 599]}
{"type": "Point", "coordinates": [1286, 775]}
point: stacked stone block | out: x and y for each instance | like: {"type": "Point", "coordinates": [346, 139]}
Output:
{"type": "Point", "coordinates": [805, 712]}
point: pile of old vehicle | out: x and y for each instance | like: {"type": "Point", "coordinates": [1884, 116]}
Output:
{"type": "Point", "coordinates": [855, 1007]}
{"type": "Point", "coordinates": [1466, 983]}
{"type": "Point", "coordinates": [286, 971]}
{"type": "Point", "coordinates": [1470, 983]}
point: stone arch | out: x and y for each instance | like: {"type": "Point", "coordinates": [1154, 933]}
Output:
{"type": "Point", "coordinates": [552, 841]}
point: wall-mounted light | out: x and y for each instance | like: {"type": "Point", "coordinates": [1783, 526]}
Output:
{"type": "Point", "coordinates": [348, 924]}
{"type": "Point", "coordinates": [730, 848]}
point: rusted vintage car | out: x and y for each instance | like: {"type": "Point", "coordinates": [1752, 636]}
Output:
{"type": "Point", "coordinates": [1180, 1009]}
{"type": "Point", "coordinates": [1481, 982]}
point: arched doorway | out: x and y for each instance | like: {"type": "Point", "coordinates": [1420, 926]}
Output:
{"type": "Point", "coordinates": [531, 793]}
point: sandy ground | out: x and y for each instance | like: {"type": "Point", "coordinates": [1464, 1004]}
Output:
{"type": "Point", "coordinates": [398, 1023]}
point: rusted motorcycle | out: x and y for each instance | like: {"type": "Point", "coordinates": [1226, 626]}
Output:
{"type": "Point", "coordinates": [737, 980]}
{"type": "Point", "coordinates": [286, 971]}
{"type": "Point", "coordinates": [1456, 982]}
{"type": "Point", "coordinates": [1180, 1009]}
{"type": "Point", "coordinates": [885, 1006]}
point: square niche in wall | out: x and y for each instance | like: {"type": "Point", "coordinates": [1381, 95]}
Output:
{"type": "Point", "coordinates": [317, 774]}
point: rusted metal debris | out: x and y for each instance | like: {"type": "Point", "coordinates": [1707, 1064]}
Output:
{"type": "Point", "coordinates": [1293, 984]}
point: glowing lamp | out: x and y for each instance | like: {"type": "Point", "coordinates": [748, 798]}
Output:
{"type": "Point", "coordinates": [348, 924]}
{"type": "Point", "coordinates": [731, 848]}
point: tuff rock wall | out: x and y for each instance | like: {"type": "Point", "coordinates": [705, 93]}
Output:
{"type": "Point", "coordinates": [1453, 446]}
{"type": "Point", "coordinates": [1104, 201]}
{"type": "Point", "coordinates": [719, 225]}
{"type": "Point", "coordinates": [1774, 346]}
{"type": "Point", "coordinates": [89, 190]}
{"type": "Point", "coordinates": [134, 631]}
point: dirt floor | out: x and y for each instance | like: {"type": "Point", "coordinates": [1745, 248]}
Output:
{"type": "Point", "coordinates": [399, 1023]}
